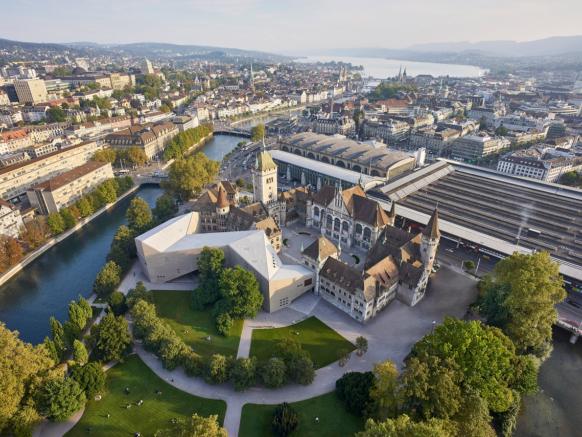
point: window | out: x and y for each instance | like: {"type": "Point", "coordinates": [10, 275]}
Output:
{"type": "Point", "coordinates": [284, 302]}
{"type": "Point", "coordinates": [307, 282]}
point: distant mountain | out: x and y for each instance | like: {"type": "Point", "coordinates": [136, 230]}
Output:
{"type": "Point", "coordinates": [146, 49]}
{"type": "Point", "coordinates": [556, 45]}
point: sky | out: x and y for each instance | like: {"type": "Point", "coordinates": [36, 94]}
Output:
{"type": "Point", "coordinates": [288, 26]}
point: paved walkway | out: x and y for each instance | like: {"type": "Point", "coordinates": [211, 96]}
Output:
{"type": "Point", "coordinates": [390, 336]}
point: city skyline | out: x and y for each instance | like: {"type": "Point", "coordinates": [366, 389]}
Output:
{"type": "Point", "coordinates": [284, 27]}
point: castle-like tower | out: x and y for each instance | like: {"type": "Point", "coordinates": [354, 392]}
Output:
{"type": "Point", "coordinates": [431, 237]}
{"type": "Point", "coordinates": [265, 179]}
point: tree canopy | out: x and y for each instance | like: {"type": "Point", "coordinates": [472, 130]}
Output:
{"type": "Point", "coordinates": [187, 176]}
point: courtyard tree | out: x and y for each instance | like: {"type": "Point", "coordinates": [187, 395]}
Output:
{"type": "Point", "coordinates": [210, 268]}
{"type": "Point", "coordinates": [139, 215]}
{"type": "Point", "coordinates": [90, 377]}
{"type": "Point", "coordinates": [197, 426]}
{"type": "Point", "coordinates": [240, 290]}
{"type": "Point", "coordinates": [244, 373]}
{"type": "Point", "coordinates": [58, 399]}
{"type": "Point", "coordinates": [525, 288]}
{"type": "Point", "coordinates": [361, 345]}
{"type": "Point", "coordinates": [107, 279]}
{"type": "Point", "coordinates": [110, 338]}
{"type": "Point", "coordinates": [384, 391]}
{"type": "Point", "coordinates": [285, 420]}
{"type": "Point", "coordinates": [404, 426]}
{"type": "Point", "coordinates": [274, 373]}
{"type": "Point", "coordinates": [353, 389]}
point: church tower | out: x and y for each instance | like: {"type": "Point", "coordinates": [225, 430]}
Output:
{"type": "Point", "coordinates": [431, 237]}
{"type": "Point", "coordinates": [265, 178]}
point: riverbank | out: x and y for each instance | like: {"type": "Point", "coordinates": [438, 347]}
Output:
{"type": "Point", "coordinates": [6, 276]}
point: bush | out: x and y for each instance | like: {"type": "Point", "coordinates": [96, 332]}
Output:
{"type": "Point", "coordinates": [90, 377]}
{"type": "Point", "coordinates": [58, 399]}
{"type": "Point", "coordinates": [243, 373]}
{"type": "Point", "coordinates": [224, 324]}
{"type": "Point", "coordinates": [274, 373]}
{"type": "Point", "coordinates": [353, 389]}
{"type": "Point", "coordinates": [171, 351]}
{"type": "Point", "coordinates": [193, 363]}
{"type": "Point", "coordinates": [216, 371]}
{"type": "Point", "coordinates": [285, 420]}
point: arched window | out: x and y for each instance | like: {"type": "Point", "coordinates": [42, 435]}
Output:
{"type": "Point", "coordinates": [285, 149]}
{"type": "Point", "coordinates": [357, 168]}
{"type": "Point", "coordinates": [324, 159]}
{"type": "Point", "coordinates": [311, 155]}
{"type": "Point", "coordinates": [316, 211]}
{"type": "Point", "coordinates": [329, 221]}
{"type": "Point", "coordinates": [340, 163]}
{"type": "Point", "coordinates": [367, 234]}
{"type": "Point", "coordinates": [374, 173]}
{"type": "Point", "coordinates": [345, 226]}
{"type": "Point", "coordinates": [359, 229]}
{"type": "Point", "coordinates": [336, 224]}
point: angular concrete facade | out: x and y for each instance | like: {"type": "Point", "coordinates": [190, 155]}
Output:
{"type": "Point", "coordinates": [171, 250]}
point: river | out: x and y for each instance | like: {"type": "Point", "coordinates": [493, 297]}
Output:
{"type": "Point", "coordinates": [380, 68]}
{"type": "Point", "coordinates": [46, 286]}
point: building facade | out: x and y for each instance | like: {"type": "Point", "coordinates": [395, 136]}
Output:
{"type": "Point", "coordinates": [11, 222]}
{"type": "Point", "coordinates": [31, 91]}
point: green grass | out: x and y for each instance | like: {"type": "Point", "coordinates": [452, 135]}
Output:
{"type": "Point", "coordinates": [195, 326]}
{"type": "Point", "coordinates": [334, 420]}
{"type": "Point", "coordinates": [155, 413]}
{"type": "Point", "coordinates": [322, 342]}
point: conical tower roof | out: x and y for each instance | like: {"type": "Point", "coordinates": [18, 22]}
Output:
{"type": "Point", "coordinates": [222, 200]}
{"type": "Point", "coordinates": [432, 227]}
{"type": "Point", "coordinates": [265, 162]}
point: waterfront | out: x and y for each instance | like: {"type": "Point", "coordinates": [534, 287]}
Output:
{"type": "Point", "coordinates": [383, 68]}
{"type": "Point", "coordinates": [46, 286]}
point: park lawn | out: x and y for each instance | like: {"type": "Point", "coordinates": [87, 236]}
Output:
{"type": "Point", "coordinates": [194, 327]}
{"type": "Point", "coordinates": [334, 420]}
{"type": "Point", "coordinates": [155, 413]}
{"type": "Point", "coordinates": [322, 342]}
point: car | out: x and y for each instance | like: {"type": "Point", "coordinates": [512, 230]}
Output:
{"type": "Point", "coordinates": [450, 250]}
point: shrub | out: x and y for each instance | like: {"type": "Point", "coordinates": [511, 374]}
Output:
{"type": "Point", "coordinates": [274, 373]}
{"type": "Point", "coordinates": [193, 363]}
{"type": "Point", "coordinates": [243, 373]}
{"type": "Point", "coordinates": [224, 324]}
{"type": "Point", "coordinates": [353, 389]}
{"type": "Point", "coordinates": [285, 420]}
{"type": "Point", "coordinates": [216, 371]}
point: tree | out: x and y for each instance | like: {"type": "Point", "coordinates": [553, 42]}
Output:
{"type": "Point", "coordinates": [384, 390]}
{"type": "Point", "coordinates": [224, 324]}
{"type": "Point", "coordinates": [243, 373]}
{"type": "Point", "coordinates": [353, 388]}
{"type": "Point", "coordinates": [171, 350]}
{"type": "Point", "coordinates": [21, 367]}
{"type": "Point", "coordinates": [58, 399]}
{"type": "Point", "coordinates": [10, 252]}
{"type": "Point", "coordinates": [526, 288]}
{"type": "Point", "coordinates": [465, 355]}
{"type": "Point", "coordinates": [122, 249]}
{"type": "Point", "coordinates": [85, 207]}
{"type": "Point", "coordinates": [58, 337]}
{"type": "Point", "coordinates": [69, 219]}
{"type": "Point", "coordinates": [240, 289]}
{"type": "Point", "coordinates": [298, 362]}
{"type": "Point", "coordinates": [139, 215]}
{"type": "Point", "coordinates": [258, 132]}
{"type": "Point", "coordinates": [56, 115]}
{"type": "Point", "coordinates": [80, 313]}
{"type": "Point", "coordinates": [111, 338]}
{"type": "Point", "coordinates": [80, 354]}
{"type": "Point", "coordinates": [274, 373]}
{"type": "Point", "coordinates": [217, 369]}
{"type": "Point", "coordinates": [105, 155]}
{"type": "Point", "coordinates": [138, 293]}
{"type": "Point", "coordinates": [136, 156]}
{"type": "Point", "coordinates": [403, 426]}
{"type": "Point", "coordinates": [473, 418]}
{"type": "Point", "coordinates": [187, 176]}
{"type": "Point", "coordinates": [285, 420]}
{"type": "Point", "coordinates": [90, 377]}
{"type": "Point", "coordinates": [55, 223]}
{"type": "Point", "coordinates": [210, 268]}
{"type": "Point", "coordinates": [469, 265]}
{"type": "Point", "coordinates": [361, 345]}
{"type": "Point", "coordinates": [117, 303]}
{"type": "Point", "coordinates": [197, 426]}
{"type": "Point", "coordinates": [35, 232]}
{"type": "Point", "coordinates": [165, 208]}
{"type": "Point", "coordinates": [107, 279]}
{"type": "Point", "coordinates": [501, 131]}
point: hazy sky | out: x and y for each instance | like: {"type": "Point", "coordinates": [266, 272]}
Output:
{"type": "Point", "coordinates": [288, 25]}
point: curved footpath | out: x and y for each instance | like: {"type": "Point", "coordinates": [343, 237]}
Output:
{"type": "Point", "coordinates": [390, 337]}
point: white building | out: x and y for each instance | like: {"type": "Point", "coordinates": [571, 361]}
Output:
{"type": "Point", "coordinates": [10, 220]}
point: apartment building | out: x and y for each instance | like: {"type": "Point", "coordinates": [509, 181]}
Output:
{"type": "Point", "coordinates": [64, 189]}
{"type": "Point", "coordinates": [16, 179]}
{"type": "Point", "coordinates": [31, 91]}
{"type": "Point", "coordinates": [10, 220]}
{"type": "Point", "coordinates": [151, 138]}
{"type": "Point", "coordinates": [471, 147]}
